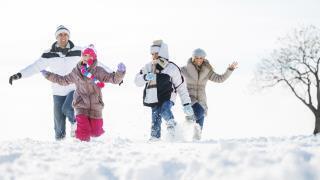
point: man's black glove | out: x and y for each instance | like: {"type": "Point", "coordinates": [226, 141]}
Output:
{"type": "Point", "coordinates": [14, 77]}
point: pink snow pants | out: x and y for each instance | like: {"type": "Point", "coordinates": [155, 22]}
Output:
{"type": "Point", "coordinates": [87, 127]}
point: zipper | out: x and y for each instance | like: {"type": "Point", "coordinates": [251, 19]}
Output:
{"type": "Point", "coordinates": [198, 85]}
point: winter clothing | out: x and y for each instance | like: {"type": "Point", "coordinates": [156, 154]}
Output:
{"type": "Point", "coordinates": [162, 80]}
{"type": "Point", "coordinates": [197, 132]}
{"type": "Point", "coordinates": [62, 108]}
{"type": "Point", "coordinates": [62, 29]}
{"type": "Point", "coordinates": [14, 77]}
{"type": "Point", "coordinates": [188, 110]}
{"type": "Point", "coordinates": [44, 73]}
{"type": "Point", "coordinates": [158, 112]}
{"type": "Point", "coordinates": [161, 48]}
{"type": "Point", "coordinates": [73, 129]}
{"type": "Point", "coordinates": [199, 113]}
{"type": "Point", "coordinates": [87, 99]}
{"type": "Point", "coordinates": [85, 71]}
{"type": "Point", "coordinates": [121, 67]}
{"type": "Point", "coordinates": [150, 76]}
{"type": "Point", "coordinates": [197, 78]}
{"type": "Point", "coordinates": [90, 51]}
{"type": "Point", "coordinates": [167, 83]}
{"type": "Point", "coordinates": [59, 61]}
{"type": "Point", "coordinates": [87, 127]}
{"type": "Point", "coordinates": [199, 53]}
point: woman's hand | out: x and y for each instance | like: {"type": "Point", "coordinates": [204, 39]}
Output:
{"type": "Point", "coordinates": [233, 66]}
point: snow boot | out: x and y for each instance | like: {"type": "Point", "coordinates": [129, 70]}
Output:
{"type": "Point", "coordinates": [154, 139]}
{"type": "Point", "coordinates": [83, 127]}
{"type": "Point", "coordinates": [171, 127]}
{"type": "Point", "coordinates": [197, 132]}
{"type": "Point", "coordinates": [96, 127]}
{"type": "Point", "coordinates": [73, 128]}
{"type": "Point", "coordinates": [190, 119]}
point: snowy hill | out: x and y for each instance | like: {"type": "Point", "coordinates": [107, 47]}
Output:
{"type": "Point", "coordinates": [293, 158]}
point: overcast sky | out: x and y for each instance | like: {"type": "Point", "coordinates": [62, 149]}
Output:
{"type": "Point", "coordinates": [239, 30]}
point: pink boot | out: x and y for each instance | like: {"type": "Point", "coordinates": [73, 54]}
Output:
{"type": "Point", "coordinates": [96, 127]}
{"type": "Point", "coordinates": [83, 127]}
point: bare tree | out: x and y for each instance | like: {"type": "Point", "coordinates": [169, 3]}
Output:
{"type": "Point", "coordinates": [295, 65]}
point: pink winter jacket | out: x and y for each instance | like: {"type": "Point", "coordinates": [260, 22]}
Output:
{"type": "Point", "coordinates": [87, 98]}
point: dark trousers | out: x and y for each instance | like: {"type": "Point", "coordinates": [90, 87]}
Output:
{"type": "Point", "coordinates": [199, 113]}
{"type": "Point", "coordinates": [159, 112]}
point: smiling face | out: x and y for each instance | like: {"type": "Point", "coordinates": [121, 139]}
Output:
{"type": "Point", "coordinates": [63, 39]}
{"type": "Point", "coordinates": [155, 56]}
{"type": "Point", "coordinates": [198, 60]}
{"type": "Point", "coordinates": [86, 58]}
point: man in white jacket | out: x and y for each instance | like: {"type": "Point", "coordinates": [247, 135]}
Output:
{"type": "Point", "coordinates": [162, 80]}
{"type": "Point", "coordinates": [60, 59]}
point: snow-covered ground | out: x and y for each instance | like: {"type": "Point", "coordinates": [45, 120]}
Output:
{"type": "Point", "coordinates": [294, 158]}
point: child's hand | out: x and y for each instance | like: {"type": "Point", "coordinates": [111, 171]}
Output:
{"type": "Point", "coordinates": [150, 76]}
{"type": "Point", "coordinates": [121, 67]}
{"type": "Point", "coordinates": [44, 73]}
{"type": "Point", "coordinates": [187, 109]}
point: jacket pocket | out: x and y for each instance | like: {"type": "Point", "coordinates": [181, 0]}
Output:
{"type": "Point", "coordinates": [76, 101]}
{"type": "Point", "coordinates": [100, 101]}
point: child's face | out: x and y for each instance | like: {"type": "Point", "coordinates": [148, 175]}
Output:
{"type": "Point", "coordinates": [85, 58]}
{"type": "Point", "coordinates": [155, 56]}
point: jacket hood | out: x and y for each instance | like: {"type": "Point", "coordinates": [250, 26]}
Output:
{"type": "Point", "coordinates": [205, 63]}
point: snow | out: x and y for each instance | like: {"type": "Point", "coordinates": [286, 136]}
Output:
{"type": "Point", "coordinates": [244, 31]}
{"type": "Point", "coordinates": [263, 158]}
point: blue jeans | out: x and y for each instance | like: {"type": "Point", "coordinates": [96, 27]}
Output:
{"type": "Point", "coordinates": [199, 113]}
{"type": "Point", "coordinates": [158, 112]}
{"type": "Point", "coordinates": [62, 109]}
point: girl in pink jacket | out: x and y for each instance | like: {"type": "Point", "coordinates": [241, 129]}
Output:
{"type": "Point", "coordinates": [87, 100]}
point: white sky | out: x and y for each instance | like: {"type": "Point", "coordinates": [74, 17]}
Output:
{"type": "Point", "coordinates": [242, 30]}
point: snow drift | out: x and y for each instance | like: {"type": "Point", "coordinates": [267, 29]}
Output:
{"type": "Point", "coordinates": [114, 158]}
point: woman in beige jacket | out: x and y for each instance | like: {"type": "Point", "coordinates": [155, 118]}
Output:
{"type": "Point", "coordinates": [197, 72]}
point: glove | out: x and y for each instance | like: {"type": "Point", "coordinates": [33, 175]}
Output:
{"type": "Point", "coordinates": [44, 73]}
{"type": "Point", "coordinates": [189, 113]}
{"type": "Point", "coordinates": [188, 110]}
{"type": "Point", "coordinates": [150, 76]}
{"type": "Point", "coordinates": [121, 67]}
{"type": "Point", "coordinates": [14, 77]}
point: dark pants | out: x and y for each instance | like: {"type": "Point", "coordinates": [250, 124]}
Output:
{"type": "Point", "coordinates": [62, 109]}
{"type": "Point", "coordinates": [199, 113]}
{"type": "Point", "coordinates": [159, 112]}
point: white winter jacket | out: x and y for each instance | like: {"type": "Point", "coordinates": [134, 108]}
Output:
{"type": "Point", "coordinates": [169, 76]}
{"type": "Point", "coordinates": [58, 62]}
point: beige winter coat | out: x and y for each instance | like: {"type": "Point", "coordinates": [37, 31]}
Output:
{"type": "Point", "coordinates": [197, 80]}
{"type": "Point", "coordinates": [87, 98]}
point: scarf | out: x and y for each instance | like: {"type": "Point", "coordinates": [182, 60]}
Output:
{"type": "Point", "coordinates": [85, 70]}
{"type": "Point", "coordinates": [64, 51]}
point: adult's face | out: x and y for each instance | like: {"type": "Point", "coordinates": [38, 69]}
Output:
{"type": "Point", "coordinates": [198, 60]}
{"type": "Point", "coordinates": [62, 40]}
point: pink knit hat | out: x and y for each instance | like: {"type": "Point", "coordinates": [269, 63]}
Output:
{"type": "Point", "coordinates": [90, 51]}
